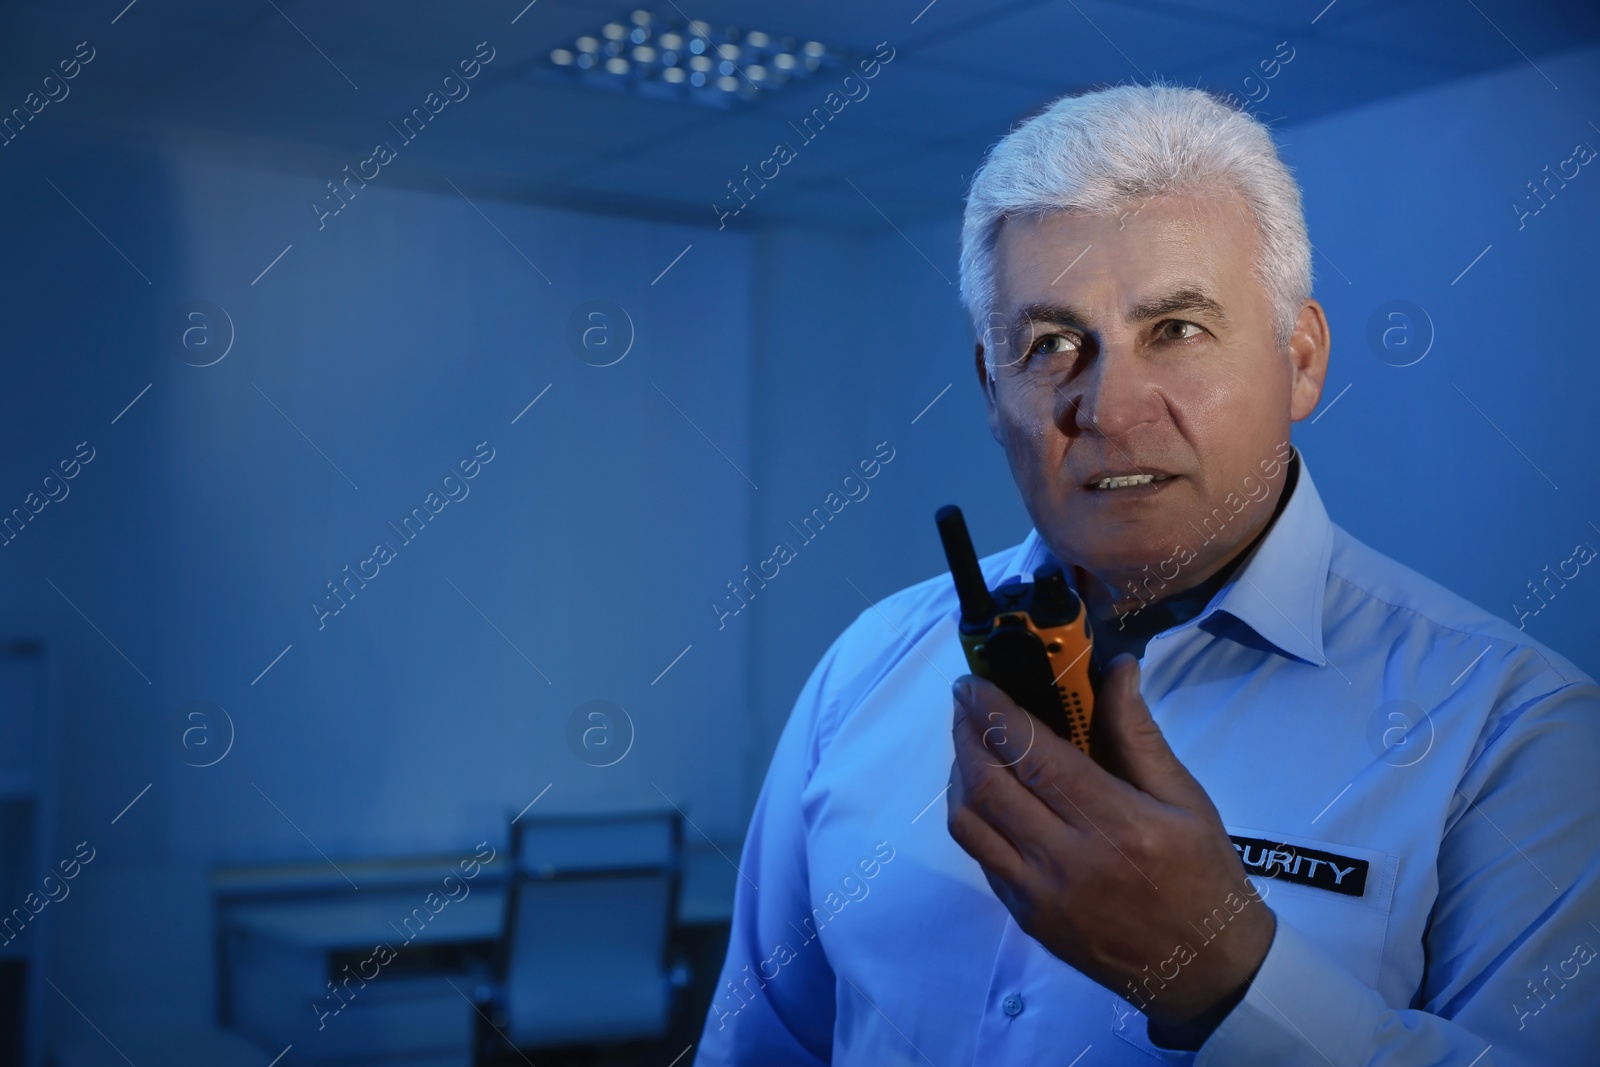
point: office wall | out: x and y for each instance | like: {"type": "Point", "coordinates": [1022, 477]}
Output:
{"type": "Point", "coordinates": [863, 342]}
{"type": "Point", "coordinates": [1476, 465]}
{"type": "Point", "coordinates": [84, 574]}
{"type": "Point", "coordinates": [426, 704]}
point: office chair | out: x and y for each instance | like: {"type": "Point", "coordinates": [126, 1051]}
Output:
{"type": "Point", "coordinates": [585, 954]}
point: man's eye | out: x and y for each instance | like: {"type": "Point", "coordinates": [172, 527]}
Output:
{"type": "Point", "coordinates": [1167, 329]}
{"type": "Point", "coordinates": [1054, 344]}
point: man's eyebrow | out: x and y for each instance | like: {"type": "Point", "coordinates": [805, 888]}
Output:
{"type": "Point", "coordinates": [1188, 298]}
{"type": "Point", "coordinates": [1055, 314]}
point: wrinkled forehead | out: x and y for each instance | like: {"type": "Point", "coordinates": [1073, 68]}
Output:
{"type": "Point", "coordinates": [1127, 254]}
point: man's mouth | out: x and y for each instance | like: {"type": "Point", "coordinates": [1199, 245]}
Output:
{"type": "Point", "coordinates": [1127, 481]}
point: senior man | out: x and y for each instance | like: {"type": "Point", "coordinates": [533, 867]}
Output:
{"type": "Point", "coordinates": [1335, 815]}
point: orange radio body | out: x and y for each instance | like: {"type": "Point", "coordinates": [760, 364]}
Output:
{"type": "Point", "coordinates": [1033, 640]}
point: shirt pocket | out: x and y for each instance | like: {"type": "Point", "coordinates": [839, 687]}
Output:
{"type": "Point", "coordinates": [1295, 880]}
{"type": "Point", "coordinates": [1291, 875]}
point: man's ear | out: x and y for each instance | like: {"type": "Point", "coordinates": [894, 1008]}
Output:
{"type": "Point", "coordinates": [1309, 346]}
{"type": "Point", "coordinates": [987, 386]}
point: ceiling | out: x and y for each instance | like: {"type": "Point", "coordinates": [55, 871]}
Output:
{"type": "Point", "coordinates": [294, 83]}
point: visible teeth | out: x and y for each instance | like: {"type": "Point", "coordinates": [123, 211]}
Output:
{"type": "Point", "coordinates": [1124, 481]}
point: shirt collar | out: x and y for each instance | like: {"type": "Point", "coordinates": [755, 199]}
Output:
{"type": "Point", "coordinates": [1278, 591]}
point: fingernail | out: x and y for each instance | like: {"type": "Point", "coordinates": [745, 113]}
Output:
{"type": "Point", "coordinates": [960, 688]}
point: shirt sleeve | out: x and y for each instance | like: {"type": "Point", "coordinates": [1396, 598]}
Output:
{"type": "Point", "coordinates": [1512, 976]}
{"type": "Point", "coordinates": [774, 1006]}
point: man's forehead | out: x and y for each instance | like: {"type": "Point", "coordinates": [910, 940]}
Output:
{"type": "Point", "coordinates": [1163, 225]}
{"type": "Point", "coordinates": [1078, 261]}
{"type": "Point", "coordinates": [1133, 290]}
{"type": "Point", "coordinates": [1210, 207]}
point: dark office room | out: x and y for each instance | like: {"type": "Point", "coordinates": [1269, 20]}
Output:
{"type": "Point", "coordinates": [543, 531]}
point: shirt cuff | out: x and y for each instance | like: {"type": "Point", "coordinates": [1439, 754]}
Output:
{"type": "Point", "coordinates": [1302, 1009]}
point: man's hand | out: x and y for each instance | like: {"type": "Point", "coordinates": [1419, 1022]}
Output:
{"type": "Point", "coordinates": [1130, 876]}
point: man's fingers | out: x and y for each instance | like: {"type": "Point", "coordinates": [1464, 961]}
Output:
{"type": "Point", "coordinates": [990, 791]}
{"type": "Point", "coordinates": [988, 788]}
{"type": "Point", "coordinates": [1135, 748]}
{"type": "Point", "coordinates": [1078, 790]}
{"type": "Point", "coordinates": [969, 829]}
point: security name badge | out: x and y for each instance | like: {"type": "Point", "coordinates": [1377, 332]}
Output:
{"type": "Point", "coordinates": [1311, 867]}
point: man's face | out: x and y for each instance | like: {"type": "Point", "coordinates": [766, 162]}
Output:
{"type": "Point", "coordinates": [1141, 343]}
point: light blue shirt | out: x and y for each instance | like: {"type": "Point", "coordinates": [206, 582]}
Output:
{"type": "Point", "coordinates": [1332, 702]}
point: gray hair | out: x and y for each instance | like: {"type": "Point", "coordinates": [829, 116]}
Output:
{"type": "Point", "coordinates": [1095, 152]}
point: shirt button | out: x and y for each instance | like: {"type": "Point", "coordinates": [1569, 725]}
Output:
{"type": "Point", "coordinates": [1012, 1005]}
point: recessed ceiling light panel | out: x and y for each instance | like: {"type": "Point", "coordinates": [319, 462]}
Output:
{"type": "Point", "coordinates": [693, 61]}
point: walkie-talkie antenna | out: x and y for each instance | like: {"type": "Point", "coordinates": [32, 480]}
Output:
{"type": "Point", "coordinates": [976, 601]}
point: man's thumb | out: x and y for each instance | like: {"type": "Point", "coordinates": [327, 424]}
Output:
{"type": "Point", "coordinates": [1131, 745]}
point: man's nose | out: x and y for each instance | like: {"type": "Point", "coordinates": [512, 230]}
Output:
{"type": "Point", "coordinates": [1114, 394]}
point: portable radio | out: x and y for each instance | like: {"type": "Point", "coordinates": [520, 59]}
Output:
{"type": "Point", "coordinates": [1031, 640]}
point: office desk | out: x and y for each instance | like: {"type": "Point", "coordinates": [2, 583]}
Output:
{"type": "Point", "coordinates": [361, 921]}
{"type": "Point", "coordinates": [371, 973]}
{"type": "Point", "coordinates": [301, 964]}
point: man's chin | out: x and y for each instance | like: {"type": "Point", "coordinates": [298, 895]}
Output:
{"type": "Point", "coordinates": [1120, 551]}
